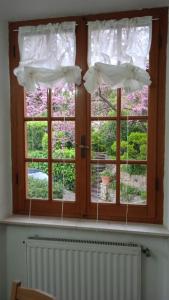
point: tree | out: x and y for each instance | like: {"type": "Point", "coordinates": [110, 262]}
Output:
{"type": "Point", "coordinates": [63, 104]}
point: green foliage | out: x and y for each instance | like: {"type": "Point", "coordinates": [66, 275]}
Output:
{"type": "Point", "coordinates": [37, 154]}
{"type": "Point", "coordinates": [65, 173]}
{"type": "Point", "coordinates": [45, 142]}
{"type": "Point", "coordinates": [36, 131]}
{"type": "Point", "coordinates": [61, 172]}
{"type": "Point", "coordinates": [113, 100]}
{"type": "Point", "coordinates": [127, 190]}
{"type": "Point", "coordinates": [64, 153]}
{"type": "Point", "coordinates": [98, 144]}
{"type": "Point", "coordinates": [133, 126]}
{"type": "Point", "coordinates": [37, 188]}
{"type": "Point", "coordinates": [136, 150]}
{"type": "Point", "coordinates": [106, 172]}
{"type": "Point", "coordinates": [57, 190]}
{"type": "Point", "coordinates": [138, 145]}
{"type": "Point", "coordinates": [113, 184]}
{"type": "Point", "coordinates": [134, 169]}
{"type": "Point", "coordinates": [103, 137]}
{"type": "Point", "coordinates": [60, 136]}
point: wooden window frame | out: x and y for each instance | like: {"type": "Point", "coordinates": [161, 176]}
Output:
{"type": "Point", "coordinates": [83, 208]}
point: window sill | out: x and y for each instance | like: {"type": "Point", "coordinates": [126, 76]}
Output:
{"type": "Point", "coordinates": [89, 225]}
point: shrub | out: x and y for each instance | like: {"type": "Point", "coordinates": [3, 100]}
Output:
{"type": "Point", "coordinates": [106, 172]}
{"type": "Point", "coordinates": [128, 191]}
{"type": "Point", "coordinates": [137, 146]}
{"type": "Point", "coordinates": [103, 136]}
{"type": "Point", "coordinates": [38, 154]}
{"type": "Point", "coordinates": [57, 190]}
{"type": "Point", "coordinates": [65, 173]}
{"type": "Point", "coordinates": [45, 142]}
{"type": "Point", "coordinates": [64, 153]}
{"type": "Point", "coordinates": [133, 126]}
{"type": "Point", "coordinates": [37, 188]}
{"type": "Point", "coordinates": [134, 169]}
{"type": "Point", "coordinates": [36, 131]}
{"type": "Point", "coordinates": [61, 171]}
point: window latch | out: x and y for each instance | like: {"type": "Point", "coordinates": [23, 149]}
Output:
{"type": "Point", "coordinates": [83, 146]}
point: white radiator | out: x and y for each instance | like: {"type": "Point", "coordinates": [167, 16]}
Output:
{"type": "Point", "coordinates": [84, 270]}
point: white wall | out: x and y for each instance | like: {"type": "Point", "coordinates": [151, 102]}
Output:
{"type": "Point", "coordinates": [155, 271]}
{"type": "Point", "coordinates": [2, 263]}
{"type": "Point", "coordinates": [5, 155]}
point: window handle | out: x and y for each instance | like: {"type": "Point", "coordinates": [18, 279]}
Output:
{"type": "Point", "coordinates": [83, 146]}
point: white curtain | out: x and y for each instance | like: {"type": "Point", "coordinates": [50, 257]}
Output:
{"type": "Point", "coordinates": [47, 55]}
{"type": "Point", "coordinates": [118, 53]}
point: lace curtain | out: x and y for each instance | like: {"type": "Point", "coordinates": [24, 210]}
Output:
{"type": "Point", "coordinates": [47, 55]}
{"type": "Point", "coordinates": [118, 52]}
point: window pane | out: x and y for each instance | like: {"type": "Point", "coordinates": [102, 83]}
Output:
{"type": "Point", "coordinates": [36, 139]}
{"type": "Point", "coordinates": [63, 177]}
{"type": "Point", "coordinates": [136, 103]}
{"type": "Point", "coordinates": [37, 180]}
{"type": "Point", "coordinates": [135, 146]}
{"type": "Point", "coordinates": [104, 105]}
{"type": "Point", "coordinates": [103, 140]}
{"type": "Point", "coordinates": [36, 103]}
{"type": "Point", "coordinates": [103, 183]}
{"type": "Point", "coordinates": [63, 101]}
{"type": "Point", "coordinates": [133, 184]}
{"type": "Point", "coordinates": [63, 139]}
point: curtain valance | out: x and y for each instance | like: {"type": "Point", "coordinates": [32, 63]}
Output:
{"type": "Point", "coordinates": [47, 55]}
{"type": "Point", "coordinates": [118, 53]}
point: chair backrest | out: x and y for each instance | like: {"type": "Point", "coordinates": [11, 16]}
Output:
{"type": "Point", "coordinates": [22, 293]}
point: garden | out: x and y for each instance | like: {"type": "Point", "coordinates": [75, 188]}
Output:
{"type": "Point", "coordinates": [133, 144]}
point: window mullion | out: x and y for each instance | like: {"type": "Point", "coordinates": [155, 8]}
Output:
{"type": "Point", "coordinates": [49, 145]}
{"type": "Point", "coordinates": [81, 120]}
{"type": "Point", "coordinates": [118, 147]}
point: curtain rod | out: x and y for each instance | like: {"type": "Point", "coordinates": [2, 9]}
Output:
{"type": "Point", "coordinates": [155, 19]}
{"type": "Point", "coordinates": [87, 23]}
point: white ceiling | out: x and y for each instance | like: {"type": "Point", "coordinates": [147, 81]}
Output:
{"type": "Point", "coordinates": [13, 10]}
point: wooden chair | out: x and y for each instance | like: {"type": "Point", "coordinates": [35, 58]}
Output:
{"type": "Point", "coordinates": [22, 293]}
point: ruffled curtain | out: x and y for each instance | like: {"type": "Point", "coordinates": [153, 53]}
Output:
{"type": "Point", "coordinates": [47, 56]}
{"type": "Point", "coordinates": [118, 53]}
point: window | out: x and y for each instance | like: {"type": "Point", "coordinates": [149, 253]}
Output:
{"type": "Point", "coordinates": [66, 143]}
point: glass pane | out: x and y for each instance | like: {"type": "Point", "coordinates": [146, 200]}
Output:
{"type": "Point", "coordinates": [133, 184]}
{"type": "Point", "coordinates": [37, 180]}
{"type": "Point", "coordinates": [36, 103]}
{"type": "Point", "coordinates": [103, 140]}
{"type": "Point", "coordinates": [63, 101]}
{"type": "Point", "coordinates": [63, 139]}
{"type": "Point", "coordinates": [136, 103]}
{"type": "Point", "coordinates": [63, 176]}
{"type": "Point", "coordinates": [36, 139]}
{"type": "Point", "coordinates": [105, 104]}
{"type": "Point", "coordinates": [135, 146]}
{"type": "Point", "coordinates": [103, 183]}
